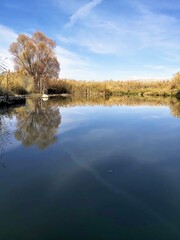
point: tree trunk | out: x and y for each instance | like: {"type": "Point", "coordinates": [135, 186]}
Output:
{"type": "Point", "coordinates": [36, 85]}
{"type": "Point", "coordinates": [41, 86]}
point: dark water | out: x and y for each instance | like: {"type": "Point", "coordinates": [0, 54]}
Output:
{"type": "Point", "coordinates": [90, 172]}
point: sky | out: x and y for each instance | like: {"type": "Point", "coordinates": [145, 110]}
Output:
{"type": "Point", "coordinates": [100, 39]}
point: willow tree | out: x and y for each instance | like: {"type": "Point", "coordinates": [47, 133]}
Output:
{"type": "Point", "coordinates": [35, 55]}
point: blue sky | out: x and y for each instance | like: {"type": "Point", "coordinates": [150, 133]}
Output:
{"type": "Point", "coordinates": [100, 39]}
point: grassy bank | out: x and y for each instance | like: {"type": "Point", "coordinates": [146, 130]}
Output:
{"type": "Point", "coordinates": [116, 88]}
{"type": "Point", "coordinates": [17, 83]}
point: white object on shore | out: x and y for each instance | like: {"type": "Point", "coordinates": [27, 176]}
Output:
{"type": "Point", "coordinates": [45, 97]}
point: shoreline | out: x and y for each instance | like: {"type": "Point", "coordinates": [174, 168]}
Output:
{"type": "Point", "coordinates": [8, 101]}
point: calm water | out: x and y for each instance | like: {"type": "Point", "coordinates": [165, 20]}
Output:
{"type": "Point", "coordinates": [90, 172]}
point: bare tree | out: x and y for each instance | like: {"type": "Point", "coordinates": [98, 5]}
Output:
{"type": "Point", "coordinates": [35, 55]}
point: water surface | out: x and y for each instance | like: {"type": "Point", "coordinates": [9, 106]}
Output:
{"type": "Point", "coordinates": [80, 170]}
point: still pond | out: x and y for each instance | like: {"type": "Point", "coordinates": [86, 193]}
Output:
{"type": "Point", "coordinates": [106, 170]}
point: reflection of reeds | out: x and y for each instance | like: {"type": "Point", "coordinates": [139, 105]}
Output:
{"type": "Point", "coordinates": [111, 101]}
{"type": "Point", "coordinates": [38, 121]}
{"type": "Point", "coordinates": [175, 108]}
{"type": "Point", "coordinates": [125, 100]}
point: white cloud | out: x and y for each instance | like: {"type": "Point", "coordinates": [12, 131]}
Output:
{"type": "Point", "coordinates": [155, 67]}
{"type": "Point", "coordinates": [68, 6]}
{"type": "Point", "coordinates": [7, 37]}
{"type": "Point", "coordinates": [69, 57]}
{"type": "Point", "coordinates": [148, 36]}
{"type": "Point", "coordinates": [119, 35]}
{"type": "Point", "coordinates": [153, 35]}
{"type": "Point", "coordinates": [83, 12]}
{"type": "Point", "coordinates": [73, 66]}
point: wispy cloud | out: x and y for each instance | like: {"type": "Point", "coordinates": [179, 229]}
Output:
{"type": "Point", "coordinates": [155, 67]}
{"type": "Point", "coordinates": [7, 37]}
{"type": "Point", "coordinates": [73, 66]}
{"type": "Point", "coordinates": [120, 35]}
{"type": "Point", "coordinates": [124, 40]}
{"type": "Point", "coordinates": [82, 12]}
{"type": "Point", "coordinates": [138, 40]}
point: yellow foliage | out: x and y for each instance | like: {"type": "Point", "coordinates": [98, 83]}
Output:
{"type": "Point", "coordinates": [84, 88]}
{"type": "Point", "coordinates": [15, 83]}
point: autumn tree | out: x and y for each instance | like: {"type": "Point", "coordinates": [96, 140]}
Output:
{"type": "Point", "coordinates": [35, 55]}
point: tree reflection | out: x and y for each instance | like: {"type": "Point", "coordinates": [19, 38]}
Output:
{"type": "Point", "coordinates": [4, 132]}
{"type": "Point", "coordinates": [37, 124]}
{"type": "Point", "coordinates": [175, 108]}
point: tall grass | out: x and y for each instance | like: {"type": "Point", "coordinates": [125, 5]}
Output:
{"type": "Point", "coordinates": [20, 83]}
{"type": "Point", "coordinates": [106, 88]}
{"type": "Point", "coordinates": [15, 83]}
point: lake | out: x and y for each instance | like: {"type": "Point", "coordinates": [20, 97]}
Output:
{"type": "Point", "coordinates": [88, 169]}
